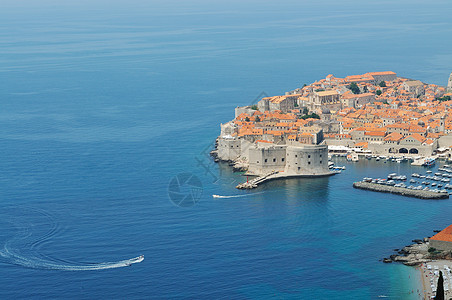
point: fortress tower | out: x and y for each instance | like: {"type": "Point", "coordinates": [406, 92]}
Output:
{"type": "Point", "coordinates": [449, 83]}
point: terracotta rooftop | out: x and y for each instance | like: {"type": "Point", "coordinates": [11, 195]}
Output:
{"type": "Point", "coordinates": [445, 235]}
{"type": "Point", "coordinates": [327, 93]}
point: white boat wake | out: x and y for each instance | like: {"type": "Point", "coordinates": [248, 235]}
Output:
{"type": "Point", "coordinates": [36, 263]}
{"type": "Point", "coordinates": [237, 196]}
{"type": "Point", "coordinates": [11, 251]}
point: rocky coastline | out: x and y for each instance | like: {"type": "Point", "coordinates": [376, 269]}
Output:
{"type": "Point", "coordinates": [416, 254]}
{"type": "Point", "coordinates": [237, 166]}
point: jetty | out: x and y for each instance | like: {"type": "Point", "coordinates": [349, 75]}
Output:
{"type": "Point", "coordinates": [255, 182]}
{"type": "Point", "coordinates": [279, 175]}
{"type": "Point", "coordinates": [422, 194]}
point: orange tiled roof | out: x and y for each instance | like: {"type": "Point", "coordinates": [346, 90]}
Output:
{"type": "Point", "coordinates": [375, 133]}
{"type": "Point", "coordinates": [382, 73]}
{"type": "Point", "coordinates": [362, 144]}
{"type": "Point", "coordinates": [444, 235]}
{"type": "Point", "coordinates": [395, 136]}
{"type": "Point", "coordinates": [417, 137]}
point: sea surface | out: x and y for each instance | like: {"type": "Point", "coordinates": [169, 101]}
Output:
{"type": "Point", "coordinates": [108, 110]}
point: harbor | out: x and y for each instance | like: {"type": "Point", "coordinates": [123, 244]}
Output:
{"type": "Point", "coordinates": [423, 194]}
{"type": "Point", "coordinates": [425, 186]}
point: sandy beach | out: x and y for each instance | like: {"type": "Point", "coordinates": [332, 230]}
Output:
{"type": "Point", "coordinates": [430, 274]}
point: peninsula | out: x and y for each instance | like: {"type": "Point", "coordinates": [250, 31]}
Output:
{"type": "Point", "coordinates": [375, 113]}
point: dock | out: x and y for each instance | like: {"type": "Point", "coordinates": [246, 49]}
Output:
{"type": "Point", "coordinates": [255, 182]}
{"type": "Point", "coordinates": [399, 190]}
{"type": "Point", "coordinates": [278, 175]}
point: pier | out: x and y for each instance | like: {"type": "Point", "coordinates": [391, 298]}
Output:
{"type": "Point", "coordinates": [399, 190]}
{"type": "Point", "coordinates": [278, 175]}
{"type": "Point", "coordinates": [254, 182]}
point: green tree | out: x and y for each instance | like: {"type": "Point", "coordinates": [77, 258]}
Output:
{"type": "Point", "coordinates": [313, 116]}
{"type": "Point", "coordinates": [305, 111]}
{"type": "Point", "coordinates": [258, 119]}
{"type": "Point", "coordinates": [254, 107]}
{"type": "Point", "coordinates": [444, 98]}
{"type": "Point", "coordinates": [378, 92]}
{"type": "Point", "coordinates": [247, 119]}
{"type": "Point", "coordinates": [382, 84]}
{"type": "Point", "coordinates": [354, 88]}
{"type": "Point", "coordinates": [365, 89]}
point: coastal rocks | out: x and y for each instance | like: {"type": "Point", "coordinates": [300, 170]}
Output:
{"type": "Point", "coordinates": [240, 167]}
{"type": "Point", "coordinates": [411, 255]}
{"type": "Point", "coordinates": [246, 186]}
{"type": "Point", "coordinates": [214, 154]}
{"type": "Point", "coordinates": [237, 165]}
{"type": "Point", "coordinates": [399, 190]}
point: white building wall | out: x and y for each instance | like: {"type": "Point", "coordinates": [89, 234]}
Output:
{"type": "Point", "coordinates": [263, 160]}
{"type": "Point", "coordinates": [441, 245]}
{"type": "Point", "coordinates": [307, 160]}
{"type": "Point", "coordinates": [228, 149]}
{"type": "Point", "coordinates": [243, 109]}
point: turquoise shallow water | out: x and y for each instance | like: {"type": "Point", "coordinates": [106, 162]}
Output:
{"type": "Point", "coordinates": [102, 105]}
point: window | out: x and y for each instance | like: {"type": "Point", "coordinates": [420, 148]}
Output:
{"type": "Point", "coordinates": [282, 159]}
{"type": "Point", "coordinates": [320, 155]}
{"type": "Point", "coordinates": [274, 159]}
{"type": "Point", "coordinates": [265, 160]}
{"type": "Point", "coordinates": [296, 155]}
{"type": "Point", "coordinates": [309, 162]}
{"type": "Point", "coordinates": [320, 161]}
{"type": "Point", "coordinates": [309, 156]}
{"type": "Point", "coordinates": [299, 168]}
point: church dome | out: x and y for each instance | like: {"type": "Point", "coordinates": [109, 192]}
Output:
{"type": "Point", "coordinates": [325, 111]}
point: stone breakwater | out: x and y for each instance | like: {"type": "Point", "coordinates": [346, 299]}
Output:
{"type": "Point", "coordinates": [399, 190]}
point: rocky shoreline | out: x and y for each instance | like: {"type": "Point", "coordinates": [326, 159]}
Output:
{"type": "Point", "coordinates": [416, 254]}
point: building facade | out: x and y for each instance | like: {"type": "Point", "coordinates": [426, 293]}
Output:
{"type": "Point", "coordinates": [442, 240]}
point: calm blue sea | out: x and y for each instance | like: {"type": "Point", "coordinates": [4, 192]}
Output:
{"type": "Point", "coordinates": [104, 103]}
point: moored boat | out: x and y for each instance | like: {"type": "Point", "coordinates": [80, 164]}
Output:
{"type": "Point", "coordinates": [429, 161]}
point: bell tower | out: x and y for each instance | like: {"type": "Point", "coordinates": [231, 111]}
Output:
{"type": "Point", "coordinates": [449, 83]}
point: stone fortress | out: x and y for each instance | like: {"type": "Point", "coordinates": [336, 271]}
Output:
{"type": "Point", "coordinates": [267, 147]}
{"type": "Point", "coordinates": [377, 112]}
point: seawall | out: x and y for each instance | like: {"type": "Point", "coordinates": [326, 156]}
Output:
{"type": "Point", "coordinates": [399, 190]}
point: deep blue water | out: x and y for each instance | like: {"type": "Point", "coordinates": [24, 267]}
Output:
{"type": "Point", "coordinates": [102, 104]}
